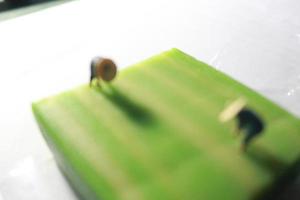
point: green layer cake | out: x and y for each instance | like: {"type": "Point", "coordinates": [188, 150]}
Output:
{"type": "Point", "coordinates": [154, 134]}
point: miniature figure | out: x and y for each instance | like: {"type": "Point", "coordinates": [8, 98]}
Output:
{"type": "Point", "coordinates": [102, 68]}
{"type": "Point", "coordinates": [249, 123]}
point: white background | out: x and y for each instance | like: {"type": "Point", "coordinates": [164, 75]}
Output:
{"type": "Point", "coordinates": [257, 42]}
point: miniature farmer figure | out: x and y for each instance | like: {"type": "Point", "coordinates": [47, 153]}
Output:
{"type": "Point", "coordinates": [102, 69]}
{"type": "Point", "coordinates": [249, 123]}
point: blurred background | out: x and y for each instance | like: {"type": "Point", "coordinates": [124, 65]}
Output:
{"type": "Point", "coordinates": [46, 48]}
{"type": "Point", "coordinates": [12, 4]}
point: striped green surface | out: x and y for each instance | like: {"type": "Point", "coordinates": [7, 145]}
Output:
{"type": "Point", "coordinates": [154, 133]}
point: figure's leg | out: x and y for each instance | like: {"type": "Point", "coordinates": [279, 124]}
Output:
{"type": "Point", "coordinates": [98, 82]}
{"type": "Point", "coordinates": [237, 131]}
{"type": "Point", "coordinates": [240, 127]}
{"type": "Point", "coordinates": [91, 80]}
{"type": "Point", "coordinates": [250, 134]}
{"type": "Point", "coordinates": [245, 142]}
{"type": "Point", "coordinates": [93, 73]}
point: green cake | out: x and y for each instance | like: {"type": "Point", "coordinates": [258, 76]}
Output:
{"type": "Point", "coordinates": [154, 133]}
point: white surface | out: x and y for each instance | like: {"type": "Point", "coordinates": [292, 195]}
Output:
{"type": "Point", "coordinates": [31, 180]}
{"type": "Point", "coordinates": [256, 42]}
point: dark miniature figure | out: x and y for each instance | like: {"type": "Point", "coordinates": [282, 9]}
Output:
{"type": "Point", "coordinates": [102, 69]}
{"type": "Point", "coordinates": [249, 122]}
